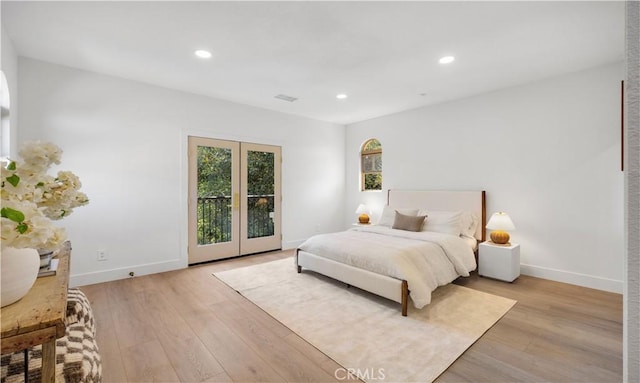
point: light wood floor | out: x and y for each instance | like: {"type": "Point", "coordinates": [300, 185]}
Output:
{"type": "Point", "coordinates": [187, 326]}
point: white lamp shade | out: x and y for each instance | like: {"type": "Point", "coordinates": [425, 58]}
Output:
{"type": "Point", "coordinates": [500, 221]}
{"type": "Point", "coordinates": [363, 209]}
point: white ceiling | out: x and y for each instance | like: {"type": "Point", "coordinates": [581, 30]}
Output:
{"type": "Point", "coordinates": [384, 55]}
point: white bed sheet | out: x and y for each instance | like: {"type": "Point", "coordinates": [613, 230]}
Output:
{"type": "Point", "coordinates": [471, 242]}
{"type": "Point", "coordinates": [425, 260]}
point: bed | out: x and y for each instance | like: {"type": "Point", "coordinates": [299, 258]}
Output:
{"type": "Point", "coordinates": [404, 264]}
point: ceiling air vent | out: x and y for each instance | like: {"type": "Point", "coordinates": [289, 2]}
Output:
{"type": "Point", "coordinates": [286, 98]}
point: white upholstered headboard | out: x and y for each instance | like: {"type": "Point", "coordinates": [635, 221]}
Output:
{"type": "Point", "coordinates": [473, 201]}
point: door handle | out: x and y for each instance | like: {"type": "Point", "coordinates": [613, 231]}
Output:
{"type": "Point", "coordinates": [236, 200]}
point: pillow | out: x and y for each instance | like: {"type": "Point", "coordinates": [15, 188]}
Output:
{"type": "Point", "coordinates": [408, 222]}
{"type": "Point", "coordinates": [468, 224]}
{"type": "Point", "coordinates": [388, 215]}
{"type": "Point", "coordinates": [446, 222]}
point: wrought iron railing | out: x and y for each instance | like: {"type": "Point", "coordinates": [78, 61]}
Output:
{"type": "Point", "coordinates": [260, 215]}
{"type": "Point", "coordinates": [214, 218]}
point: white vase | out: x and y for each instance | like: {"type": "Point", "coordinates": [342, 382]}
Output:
{"type": "Point", "coordinates": [19, 272]}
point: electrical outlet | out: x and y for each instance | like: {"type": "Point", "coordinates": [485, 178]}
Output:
{"type": "Point", "coordinates": [102, 255]}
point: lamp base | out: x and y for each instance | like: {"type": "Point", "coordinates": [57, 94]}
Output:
{"type": "Point", "coordinates": [500, 237]}
{"type": "Point", "coordinates": [363, 219]}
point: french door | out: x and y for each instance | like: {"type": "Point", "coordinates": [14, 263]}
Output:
{"type": "Point", "coordinates": [234, 199]}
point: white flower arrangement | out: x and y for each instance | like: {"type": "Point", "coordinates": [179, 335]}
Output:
{"type": "Point", "coordinates": [31, 198]}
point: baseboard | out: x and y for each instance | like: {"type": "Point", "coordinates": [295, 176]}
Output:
{"type": "Point", "coordinates": [123, 273]}
{"type": "Point", "coordinates": [583, 280]}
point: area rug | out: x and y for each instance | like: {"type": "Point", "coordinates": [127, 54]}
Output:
{"type": "Point", "coordinates": [364, 333]}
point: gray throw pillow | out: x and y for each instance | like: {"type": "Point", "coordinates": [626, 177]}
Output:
{"type": "Point", "coordinates": [407, 222]}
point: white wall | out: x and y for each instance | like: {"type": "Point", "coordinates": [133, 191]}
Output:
{"type": "Point", "coordinates": [548, 153]}
{"type": "Point", "coordinates": [9, 60]}
{"type": "Point", "coordinates": [127, 143]}
{"type": "Point", "coordinates": [631, 328]}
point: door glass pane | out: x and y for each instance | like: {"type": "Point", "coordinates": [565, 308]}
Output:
{"type": "Point", "coordinates": [214, 195]}
{"type": "Point", "coordinates": [260, 193]}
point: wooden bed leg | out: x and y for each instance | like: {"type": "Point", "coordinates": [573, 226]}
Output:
{"type": "Point", "coordinates": [297, 265]}
{"type": "Point", "coordinates": [405, 297]}
{"type": "Point", "coordinates": [299, 269]}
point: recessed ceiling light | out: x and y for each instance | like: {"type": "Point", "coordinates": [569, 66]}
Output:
{"type": "Point", "coordinates": [202, 54]}
{"type": "Point", "coordinates": [447, 59]}
{"type": "Point", "coordinates": [341, 96]}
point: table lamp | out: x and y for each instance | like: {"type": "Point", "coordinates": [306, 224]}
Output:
{"type": "Point", "coordinates": [499, 223]}
{"type": "Point", "coordinates": [364, 211]}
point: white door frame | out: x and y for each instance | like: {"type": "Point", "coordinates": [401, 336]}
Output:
{"type": "Point", "coordinates": [240, 244]}
{"type": "Point", "coordinates": [255, 245]}
{"type": "Point", "coordinates": [202, 253]}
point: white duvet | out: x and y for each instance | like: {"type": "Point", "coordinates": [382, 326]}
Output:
{"type": "Point", "coordinates": [425, 260]}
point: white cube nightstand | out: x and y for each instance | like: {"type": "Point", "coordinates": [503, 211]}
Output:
{"type": "Point", "coordinates": [499, 261]}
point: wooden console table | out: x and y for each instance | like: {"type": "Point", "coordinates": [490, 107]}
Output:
{"type": "Point", "coordinates": [39, 317]}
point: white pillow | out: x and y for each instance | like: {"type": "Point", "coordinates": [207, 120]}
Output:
{"type": "Point", "coordinates": [389, 215]}
{"type": "Point", "coordinates": [468, 224]}
{"type": "Point", "coordinates": [446, 222]}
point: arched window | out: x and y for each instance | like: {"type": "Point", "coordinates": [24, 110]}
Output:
{"type": "Point", "coordinates": [371, 165]}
